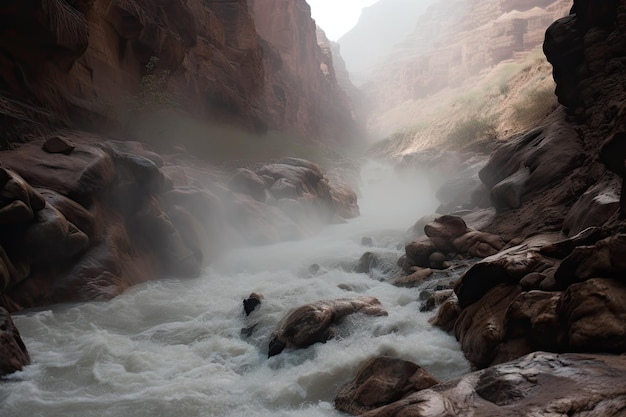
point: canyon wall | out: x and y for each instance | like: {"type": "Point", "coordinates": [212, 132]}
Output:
{"type": "Point", "coordinates": [300, 90]}
{"type": "Point", "coordinates": [455, 41]}
{"type": "Point", "coordinates": [95, 64]}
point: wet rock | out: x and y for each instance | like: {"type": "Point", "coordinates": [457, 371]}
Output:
{"type": "Point", "coordinates": [508, 266]}
{"type": "Point", "coordinates": [381, 381]}
{"type": "Point", "coordinates": [478, 244]}
{"type": "Point", "coordinates": [57, 144]}
{"type": "Point", "coordinates": [607, 258]}
{"type": "Point", "coordinates": [447, 314]}
{"type": "Point", "coordinates": [250, 303]}
{"type": "Point", "coordinates": [18, 200]}
{"type": "Point", "coordinates": [416, 277]}
{"type": "Point", "coordinates": [435, 299]}
{"type": "Point", "coordinates": [563, 248]}
{"type": "Point", "coordinates": [444, 230]}
{"type": "Point", "coordinates": [418, 253]}
{"type": "Point", "coordinates": [508, 193]}
{"type": "Point", "coordinates": [533, 316]}
{"type": "Point", "coordinates": [248, 182]}
{"type": "Point", "coordinates": [13, 353]}
{"type": "Point", "coordinates": [50, 239]}
{"type": "Point", "coordinates": [313, 323]}
{"type": "Point", "coordinates": [539, 384]}
{"type": "Point", "coordinates": [593, 209]}
{"type": "Point", "coordinates": [481, 327]}
{"type": "Point", "coordinates": [594, 315]}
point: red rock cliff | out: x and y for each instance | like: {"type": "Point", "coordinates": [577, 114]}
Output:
{"type": "Point", "coordinates": [301, 89]}
{"type": "Point", "coordinates": [81, 63]}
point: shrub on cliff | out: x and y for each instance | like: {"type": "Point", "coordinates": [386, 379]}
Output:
{"type": "Point", "coordinates": [471, 130]}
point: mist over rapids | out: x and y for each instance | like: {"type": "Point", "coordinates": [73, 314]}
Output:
{"type": "Point", "coordinates": [176, 347]}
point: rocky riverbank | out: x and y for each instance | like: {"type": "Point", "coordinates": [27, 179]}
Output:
{"type": "Point", "coordinates": [548, 207]}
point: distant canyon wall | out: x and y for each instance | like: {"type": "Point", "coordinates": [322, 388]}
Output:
{"type": "Point", "coordinates": [82, 63]}
{"type": "Point", "coordinates": [456, 40]}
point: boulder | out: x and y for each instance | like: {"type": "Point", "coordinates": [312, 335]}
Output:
{"type": "Point", "coordinates": [18, 200]}
{"type": "Point", "coordinates": [447, 314]}
{"type": "Point", "coordinates": [57, 144]}
{"type": "Point", "coordinates": [381, 381]}
{"type": "Point", "coordinates": [444, 230]}
{"type": "Point", "coordinates": [13, 353]}
{"type": "Point", "coordinates": [506, 267]}
{"type": "Point", "coordinates": [533, 316]}
{"type": "Point", "coordinates": [593, 314]}
{"type": "Point", "coordinates": [508, 193]}
{"type": "Point", "coordinates": [51, 239]}
{"type": "Point", "coordinates": [481, 329]}
{"type": "Point", "coordinates": [478, 244]}
{"type": "Point", "coordinates": [607, 258]}
{"type": "Point", "coordinates": [539, 384]}
{"type": "Point", "coordinates": [313, 323]}
{"type": "Point", "coordinates": [593, 209]}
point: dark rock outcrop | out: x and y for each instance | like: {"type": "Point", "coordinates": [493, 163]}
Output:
{"type": "Point", "coordinates": [381, 381]}
{"type": "Point", "coordinates": [108, 65]}
{"type": "Point", "coordinates": [13, 353]}
{"type": "Point", "coordinates": [538, 384]}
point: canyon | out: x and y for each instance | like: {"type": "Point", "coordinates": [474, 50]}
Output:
{"type": "Point", "coordinates": [522, 262]}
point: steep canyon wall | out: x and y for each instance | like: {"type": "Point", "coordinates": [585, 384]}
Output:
{"type": "Point", "coordinates": [83, 64]}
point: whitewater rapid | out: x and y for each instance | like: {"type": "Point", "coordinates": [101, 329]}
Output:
{"type": "Point", "coordinates": [176, 347]}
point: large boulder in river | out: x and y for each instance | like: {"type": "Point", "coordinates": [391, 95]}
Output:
{"type": "Point", "coordinates": [381, 381]}
{"type": "Point", "coordinates": [313, 323]}
{"type": "Point", "coordinates": [13, 353]}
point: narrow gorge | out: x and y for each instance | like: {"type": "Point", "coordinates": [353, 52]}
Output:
{"type": "Point", "coordinates": [206, 211]}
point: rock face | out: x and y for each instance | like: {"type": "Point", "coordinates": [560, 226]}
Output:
{"type": "Point", "coordinates": [453, 42]}
{"type": "Point", "coordinates": [103, 64]}
{"type": "Point", "coordinates": [301, 90]}
{"type": "Point", "coordinates": [539, 384]}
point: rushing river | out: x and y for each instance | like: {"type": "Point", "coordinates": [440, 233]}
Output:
{"type": "Point", "coordinates": [176, 348]}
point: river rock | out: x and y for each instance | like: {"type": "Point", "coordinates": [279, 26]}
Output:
{"type": "Point", "coordinates": [447, 314]}
{"type": "Point", "coordinates": [481, 328]}
{"type": "Point", "coordinates": [594, 315]}
{"type": "Point", "coordinates": [381, 381]}
{"type": "Point", "coordinates": [607, 258]}
{"type": "Point", "coordinates": [50, 239]}
{"type": "Point", "coordinates": [539, 384]}
{"type": "Point", "coordinates": [508, 266]}
{"type": "Point", "coordinates": [248, 182]}
{"type": "Point", "coordinates": [18, 200]}
{"type": "Point", "coordinates": [533, 316]}
{"type": "Point", "coordinates": [313, 323]}
{"type": "Point", "coordinates": [13, 353]}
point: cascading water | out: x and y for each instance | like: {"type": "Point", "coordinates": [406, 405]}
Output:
{"type": "Point", "coordinates": [176, 347]}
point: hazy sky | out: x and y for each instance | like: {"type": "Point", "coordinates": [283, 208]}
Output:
{"type": "Point", "coordinates": [337, 17]}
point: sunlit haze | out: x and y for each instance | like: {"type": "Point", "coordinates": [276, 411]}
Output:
{"type": "Point", "coordinates": [337, 17]}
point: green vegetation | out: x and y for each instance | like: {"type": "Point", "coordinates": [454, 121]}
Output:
{"type": "Point", "coordinates": [465, 132]}
{"type": "Point", "coordinates": [534, 105]}
{"type": "Point", "coordinates": [153, 87]}
{"type": "Point", "coordinates": [511, 98]}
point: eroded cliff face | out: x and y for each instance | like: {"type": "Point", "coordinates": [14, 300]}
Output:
{"type": "Point", "coordinates": [455, 41]}
{"type": "Point", "coordinates": [301, 90]}
{"type": "Point", "coordinates": [83, 63]}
